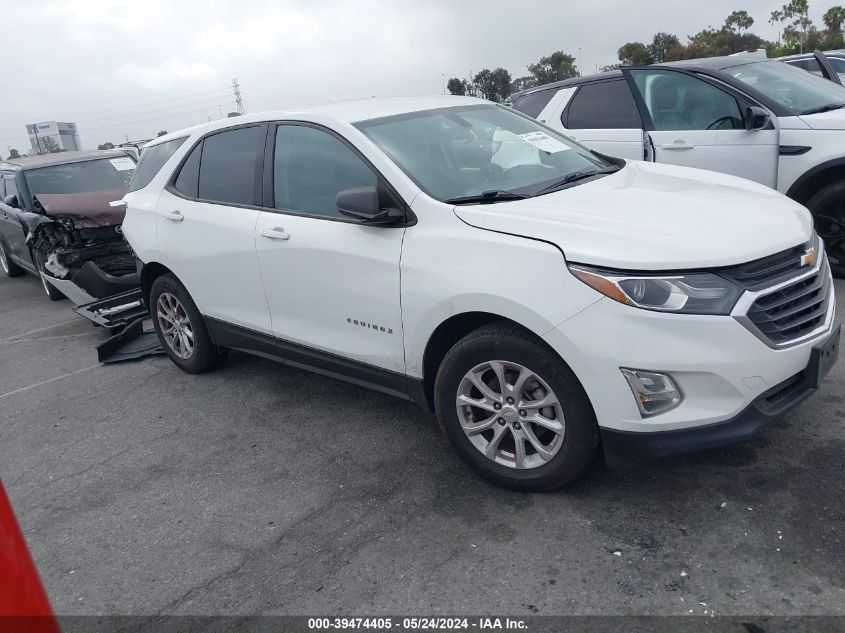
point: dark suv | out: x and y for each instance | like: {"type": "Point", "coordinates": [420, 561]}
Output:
{"type": "Point", "coordinates": [57, 221]}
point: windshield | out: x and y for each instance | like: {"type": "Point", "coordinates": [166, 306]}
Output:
{"type": "Point", "coordinates": [92, 175]}
{"type": "Point", "coordinates": [796, 90]}
{"type": "Point", "coordinates": [478, 150]}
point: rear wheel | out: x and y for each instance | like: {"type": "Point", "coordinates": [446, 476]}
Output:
{"type": "Point", "coordinates": [181, 328]}
{"type": "Point", "coordinates": [514, 410]}
{"type": "Point", "coordinates": [10, 268]}
{"type": "Point", "coordinates": [828, 209]}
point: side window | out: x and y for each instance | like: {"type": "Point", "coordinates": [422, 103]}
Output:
{"type": "Point", "coordinates": [604, 105]}
{"type": "Point", "coordinates": [677, 101]}
{"type": "Point", "coordinates": [533, 103]}
{"type": "Point", "coordinates": [838, 65]}
{"type": "Point", "coordinates": [11, 188]}
{"type": "Point", "coordinates": [2, 188]}
{"type": "Point", "coordinates": [811, 65]}
{"type": "Point", "coordinates": [227, 168]}
{"type": "Point", "coordinates": [187, 182]}
{"type": "Point", "coordinates": [152, 160]}
{"type": "Point", "coordinates": [310, 167]}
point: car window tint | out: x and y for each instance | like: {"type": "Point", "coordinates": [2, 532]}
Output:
{"type": "Point", "coordinates": [2, 188]}
{"type": "Point", "coordinates": [227, 168]}
{"type": "Point", "coordinates": [187, 182]}
{"type": "Point", "coordinates": [310, 167]}
{"type": "Point", "coordinates": [604, 105]}
{"type": "Point", "coordinates": [11, 188]}
{"type": "Point", "coordinates": [838, 64]}
{"type": "Point", "coordinates": [533, 103]}
{"type": "Point", "coordinates": [811, 65]}
{"type": "Point", "coordinates": [152, 160]}
{"type": "Point", "coordinates": [677, 101]}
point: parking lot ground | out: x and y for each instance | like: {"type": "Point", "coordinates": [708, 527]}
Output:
{"type": "Point", "coordinates": [262, 489]}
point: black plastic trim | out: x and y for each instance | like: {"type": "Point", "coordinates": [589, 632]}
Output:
{"type": "Point", "coordinates": [793, 150]}
{"type": "Point", "coordinates": [802, 180]}
{"type": "Point", "coordinates": [286, 352]}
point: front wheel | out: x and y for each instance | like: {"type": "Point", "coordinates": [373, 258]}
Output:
{"type": "Point", "coordinates": [10, 268]}
{"type": "Point", "coordinates": [828, 209]}
{"type": "Point", "coordinates": [53, 293]}
{"type": "Point", "coordinates": [514, 411]}
{"type": "Point", "coordinates": [181, 328]}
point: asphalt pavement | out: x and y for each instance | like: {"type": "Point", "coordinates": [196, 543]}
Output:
{"type": "Point", "coordinates": [263, 489]}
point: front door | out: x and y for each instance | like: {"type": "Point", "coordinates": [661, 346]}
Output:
{"type": "Point", "coordinates": [14, 234]}
{"type": "Point", "coordinates": [695, 123]}
{"type": "Point", "coordinates": [332, 282]}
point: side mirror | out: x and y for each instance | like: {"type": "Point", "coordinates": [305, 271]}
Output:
{"type": "Point", "coordinates": [12, 201]}
{"type": "Point", "coordinates": [756, 118]}
{"type": "Point", "coordinates": [362, 203]}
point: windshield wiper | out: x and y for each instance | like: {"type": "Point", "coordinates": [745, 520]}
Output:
{"type": "Point", "coordinates": [576, 176]}
{"type": "Point", "coordinates": [824, 108]}
{"type": "Point", "coordinates": [486, 197]}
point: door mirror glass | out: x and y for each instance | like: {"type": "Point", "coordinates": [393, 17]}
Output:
{"type": "Point", "coordinates": [12, 201]}
{"type": "Point", "coordinates": [756, 118]}
{"type": "Point", "coordinates": [363, 203]}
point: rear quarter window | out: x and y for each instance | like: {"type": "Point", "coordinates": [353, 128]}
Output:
{"type": "Point", "coordinates": [152, 160]}
{"type": "Point", "coordinates": [533, 103]}
{"type": "Point", "coordinates": [605, 105]}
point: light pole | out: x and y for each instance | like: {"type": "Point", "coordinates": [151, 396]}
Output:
{"type": "Point", "coordinates": [579, 61]}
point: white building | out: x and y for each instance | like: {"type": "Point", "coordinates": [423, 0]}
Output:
{"type": "Point", "coordinates": [51, 136]}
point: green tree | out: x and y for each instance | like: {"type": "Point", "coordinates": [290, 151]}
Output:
{"type": "Point", "coordinates": [660, 46]}
{"type": "Point", "coordinates": [494, 85]}
{"type": "Point", "coordinates": [13, 153]}
{"type": "Point", "coordinates": [456, 87]}
{"type": "Point", "coordinates": [161, 132]}
{"type": "Point", "coordinates": [105, 145]}
{"type": "Point", "coordinates": [557, 66]}
{"type": "Point", "coordinates": [634, 54]}
{"type": "Point", "coordinates": [833, 19]}
{"type": "Point", "coordinates": [739, 21]}
{"type": "Point", "coordinates": [795, 21]}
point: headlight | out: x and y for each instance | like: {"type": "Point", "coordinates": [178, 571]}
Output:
{"type": "Point", "coordinates": [694, 293]}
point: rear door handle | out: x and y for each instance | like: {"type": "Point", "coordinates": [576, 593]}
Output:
{"type": "Point", "coordinates": [276, 233]}
{"type": "Point", "coordinates": [677, 147]}
{"type": "Point", "coordinates": [174, 216]}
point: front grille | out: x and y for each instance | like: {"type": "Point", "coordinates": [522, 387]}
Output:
{"type": "Point", "coordinates": [769, 271]}
{"type": "Point", "coordinates": [794, 310]}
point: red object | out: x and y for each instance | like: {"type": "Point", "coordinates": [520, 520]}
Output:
{"type": "Point", "coordinates": [23, 602]}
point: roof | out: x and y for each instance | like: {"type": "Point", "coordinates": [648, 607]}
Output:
{"type": "Point", "coordinates": [350, 111]}
{"type": "Point", "coordinates": [60, 158]}
{"type": "Point", "coordinates": [808, 55]}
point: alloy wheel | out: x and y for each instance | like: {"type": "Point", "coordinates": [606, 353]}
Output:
{"type": "Point", "coordinates": [3, 261]}
{"type": "Point", "coordinates": [510, 414]}
{"type": "Point", "coordinates": [175, 325]}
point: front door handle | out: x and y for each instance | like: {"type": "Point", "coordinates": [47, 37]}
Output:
{"type": "Point", "coordinates": [276, 233]}
{"type": "Point", "coordinates": [174, 216]}
{"type": "Point", "coordinates": [677, 147]}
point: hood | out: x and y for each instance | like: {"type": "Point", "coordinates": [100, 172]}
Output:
{"type": "Point", "coordinates": [833, 120]}
{"type": "Point", "coordinates": [654, 217]}
{"type": "Point", "coordinates": [87, 209]}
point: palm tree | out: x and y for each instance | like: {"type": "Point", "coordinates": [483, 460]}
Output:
{"type": "Point", "coordinates": [833, 19]}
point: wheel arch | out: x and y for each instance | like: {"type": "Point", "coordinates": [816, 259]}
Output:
{"type": "Point", "coordinates": [149, 273]}
{"type": "Point", "coordinates": [813, 180]}
{"type": "Point", "coordinates": [444, 337]}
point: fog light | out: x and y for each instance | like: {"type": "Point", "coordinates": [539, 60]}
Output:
{"type": "Point", "coordinates": [654, 392]}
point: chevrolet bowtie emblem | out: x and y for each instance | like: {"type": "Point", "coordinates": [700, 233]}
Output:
{"type": "Point", "coordinates": [809, 257]}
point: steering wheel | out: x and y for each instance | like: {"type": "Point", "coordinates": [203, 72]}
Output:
{"type": "Point", "coordinates": [734, 120]}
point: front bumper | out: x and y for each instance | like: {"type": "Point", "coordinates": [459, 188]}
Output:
{"type": "Point", "coordinates": [623, 449]}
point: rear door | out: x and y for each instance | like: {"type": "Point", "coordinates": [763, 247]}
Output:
{"type": "Point", "coordinates": [604, 117]}
{"type": "Point", "coordinates": [696, 122]}
{"type": "Point", "coordinates": [205, 221]}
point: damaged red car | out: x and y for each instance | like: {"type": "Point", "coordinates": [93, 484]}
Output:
{"type": "Point", "coordinates": [56, 221]}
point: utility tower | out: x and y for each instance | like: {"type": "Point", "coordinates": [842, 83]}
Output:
{"type": "Point", "coordinates": [236, 88]}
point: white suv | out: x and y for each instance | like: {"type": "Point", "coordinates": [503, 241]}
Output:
{"type": "Point", "coordinates": [759, 119]}
{"type": "Point", "coordinates": [540, 298]}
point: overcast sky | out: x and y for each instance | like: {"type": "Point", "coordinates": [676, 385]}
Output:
{"type": "Point", "coordinates": [133, 67]}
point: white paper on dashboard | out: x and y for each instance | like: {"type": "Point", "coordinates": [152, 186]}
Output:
{"type": "Point", "coordinates": [544, 142]}
{"type": "Point", "coordinates": [122, 164]}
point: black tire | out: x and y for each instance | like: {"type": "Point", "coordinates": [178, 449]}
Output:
{"type": "Point", "coordinates": [53, 293]}
{"type": "Point", "coordinates": [205, 355]}
{"type": "Point", "coordinates": [512, 344]}
{"type": "Point", "coordinates": [828, 209]}
{"type": "Point", "coordinates": [7, 266]}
